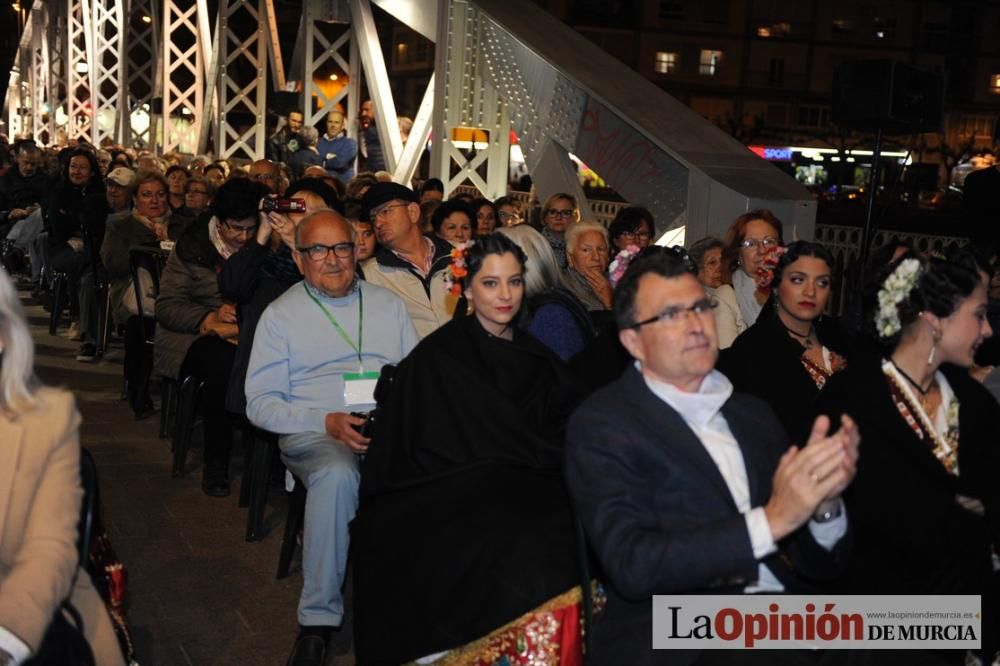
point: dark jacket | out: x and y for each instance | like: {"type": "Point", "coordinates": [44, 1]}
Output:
{"type": "Point", "coordinates": [661, 518]}
{"type": "Point", "coordinates": [75, 212]}
{"type": "Point", "coordinates": [281, 145]}
{"type": "Point", "coordinates": [911, 536]}
{"type": "Point", "coordinates": [252, 278]}
{"type": "Point", "coordinates": [16, 191]}
{"type": "Point", "coordinates": [766, 362]}
{"type": "Point", "coordinates": [189, 291]}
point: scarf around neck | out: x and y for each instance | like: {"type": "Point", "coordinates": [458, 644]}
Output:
{"type": "Point", "coordinates": [745, 286]}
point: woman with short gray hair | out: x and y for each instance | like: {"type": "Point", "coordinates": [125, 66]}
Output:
{"type": "Point", "coordinates": [707, 256]}
{"type": "Point", "coordinates": [587, 258]}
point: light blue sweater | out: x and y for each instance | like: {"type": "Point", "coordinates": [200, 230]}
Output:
{"type": "Point", "coordinates": [298, 360]}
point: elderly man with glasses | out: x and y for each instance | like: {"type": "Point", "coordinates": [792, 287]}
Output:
{"type": "Point", "coordinates": [316, 356]}
{"type": "Point", "coordinates": [684, 487]}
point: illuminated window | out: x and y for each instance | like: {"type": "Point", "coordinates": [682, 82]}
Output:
{"type": "Point", "coordinates": [709, 62]}
{"type": "Point", "coordinates": [995, 84]}
{"type": "Point", "coordinates": [666, 62]}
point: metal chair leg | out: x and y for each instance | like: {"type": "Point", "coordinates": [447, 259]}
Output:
{"type": "Point", "coordinates": [187, 408]}
{"type": "Point", "coordinates": [249, 447]}
{"type": "Point", "coordinates": [293, 523]}
{"type": "Point", "coordinates": [264, 452]}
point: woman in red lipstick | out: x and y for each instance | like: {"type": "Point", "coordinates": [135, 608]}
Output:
{"type": "Point", "coordinates": [787, 356]}
{"type": "Point", "coordinates": [466, 461]}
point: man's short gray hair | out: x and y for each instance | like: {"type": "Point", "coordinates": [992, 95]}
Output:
{"type": "Point", "coordinates": [322, 212]}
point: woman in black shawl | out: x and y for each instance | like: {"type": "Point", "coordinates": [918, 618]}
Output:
{"type": "Point", "coordinates": [464, 530]}
{"type": "Point", "coordinates": [791, 351]}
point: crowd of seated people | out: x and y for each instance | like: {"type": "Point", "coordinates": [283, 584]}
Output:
{"type": "Point", "coordinates": [461, 393]}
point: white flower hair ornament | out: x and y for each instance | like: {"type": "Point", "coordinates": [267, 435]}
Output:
{"type": "Point", "coordinates": [894, 291]}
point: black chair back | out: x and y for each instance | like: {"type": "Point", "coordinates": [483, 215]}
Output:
{"type": "Point", "coordinates": [151, 260]}
{"type": "Point", "coordinates": [88, 508]}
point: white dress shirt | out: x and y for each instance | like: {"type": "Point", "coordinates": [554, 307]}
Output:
{"type": "Point", "coordinates": [702, 411]}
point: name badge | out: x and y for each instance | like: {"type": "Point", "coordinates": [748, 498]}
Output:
{"type": "Point", "coordinates": [359, 388]}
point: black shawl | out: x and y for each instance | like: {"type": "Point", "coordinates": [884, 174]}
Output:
{"type": "Point", "coordinates": [766, 362]}
{"type": "Point", "coordinates": [464, 521]}
{"type": "Point", "coordinates": [911, 536]}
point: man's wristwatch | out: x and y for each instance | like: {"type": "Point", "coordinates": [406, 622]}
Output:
{"type": "Point", "coordinates": [825, 515]}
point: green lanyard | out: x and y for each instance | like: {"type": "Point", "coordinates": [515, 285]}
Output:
{"type": "Point", "coordinates": [343, 334]}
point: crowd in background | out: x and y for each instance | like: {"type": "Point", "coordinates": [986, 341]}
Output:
{"type": "Point", "coordinates": [471, 383]}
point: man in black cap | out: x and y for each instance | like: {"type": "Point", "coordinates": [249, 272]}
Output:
{"type": "Point", "coordinates": [408, 263]}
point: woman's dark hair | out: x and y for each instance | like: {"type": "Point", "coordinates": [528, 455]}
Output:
{"type": "Point", "coordinates": [320, 189]}
{"type": "Point", "coordinates": [445, 210]}
{"type": "Point", "coordinates": [796, 250]}
{"type": "Point", "coordinates": [700, 248]}
{"type": "Point", "coordinates": [629, 219]}
{"type": "Point", "coordinates": [432, 184]}
{"type": "Point", "coordinates": [495, 243]}
{"type": "Point", "coordinates": [121, 157]}
{"type": "Point", "coordinates": [668, 262]}
{"type": "Point", "coordinates": [173, 168]}
{"type": "Point", "coordinates": [96, 180]}
{"type": "Point", "coordinates": [353, 210]}
{"type": "Point", "coordinates": [973, 258]}
{"type": "Point", "coordinates": [507, 201]}
{"type": "Point", "coordinates": [238, 199]}
{"type": "Point", "coordinates": [479, 203]}
{"type": "Point", "coordinates": [941, 286]}
{"type": "Point", "coordinates": [737, 233]}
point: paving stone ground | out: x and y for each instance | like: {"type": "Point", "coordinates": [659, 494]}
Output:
{"type": "Point", "coordinates": [199, 593]}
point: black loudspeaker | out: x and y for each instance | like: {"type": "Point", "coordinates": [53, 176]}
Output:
{"type": "Point", "coordinates": [899, 98]}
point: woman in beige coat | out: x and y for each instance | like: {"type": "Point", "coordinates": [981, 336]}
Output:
{"type": "Point", "coordinates": [40, 496]}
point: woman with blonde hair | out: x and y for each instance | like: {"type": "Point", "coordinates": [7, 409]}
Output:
{"type": "Point", "coordinates": [559, 213]}
{"type": "Point", "coordinates": [40, 497]}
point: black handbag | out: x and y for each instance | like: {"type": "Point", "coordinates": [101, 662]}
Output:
{"type": "Point", "coordinates": [64, 643]}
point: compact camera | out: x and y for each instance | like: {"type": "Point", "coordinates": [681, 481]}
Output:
{"type": "Point", "coordinates": [273, 204]}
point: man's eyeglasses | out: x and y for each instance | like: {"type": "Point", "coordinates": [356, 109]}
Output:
{"type": "Point", "coordinates": [675, 314]}
{"type": "Point", "coordinates": [382, 212]}
{"type": "Point", "coordinates": [565, 213]}
{"type": "Point", "coordinates": [504, 216]}
{"type": "Point", "coordinates": [321, 252]}
{"type": "Point", "coordinates": [764, 243]}
{"type": "Point", "coordinates": [239, 229]}
{"type": "Point", "coordinates": [204, 192]}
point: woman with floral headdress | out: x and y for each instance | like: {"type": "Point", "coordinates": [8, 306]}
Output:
{"type": "Point", "coordinates": [791, 351]}
{"type": "Point", "coordinates": [924, 504]}
{"type": "Point", "coordinates": [464, 542]}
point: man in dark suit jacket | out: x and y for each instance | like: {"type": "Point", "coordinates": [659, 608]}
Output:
{"type": "Point", "coordinates": [684, 487]}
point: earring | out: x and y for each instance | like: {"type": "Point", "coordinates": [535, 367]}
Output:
{"type": "Point", "coordinates": [936, 336]}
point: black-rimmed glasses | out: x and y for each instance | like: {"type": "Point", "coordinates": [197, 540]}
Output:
{"type": "Point", "coordinates": [675, 314]}
{"type": "Point", "coordinates": [238, 229]}
{"type": "Point", "coordinates": [321, 252]}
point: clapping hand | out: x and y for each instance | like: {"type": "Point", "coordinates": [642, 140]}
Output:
{"type": "Point", "coordinates": [814, 475]}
